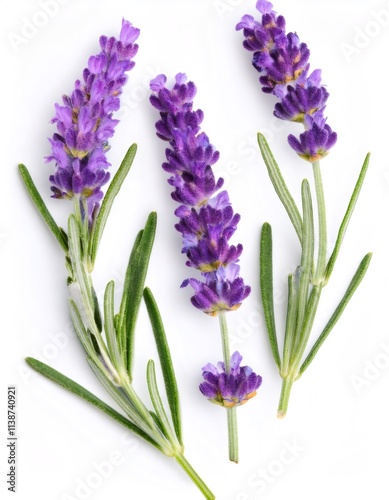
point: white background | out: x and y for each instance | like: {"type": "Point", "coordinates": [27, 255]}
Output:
{"type": "Point", "coordinates": [337, 420]}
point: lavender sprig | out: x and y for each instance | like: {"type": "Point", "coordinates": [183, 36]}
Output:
{"type": "Point", "coordinates": [84, 125]}
{"type": "Point", "coordinates": [206, 218]}
{"type": "Point", "coordinates": [283, 63]}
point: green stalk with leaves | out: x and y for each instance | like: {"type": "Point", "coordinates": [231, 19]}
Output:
{"type": "Point", "coordinates": [283, 64]}
{"type": "Point", "coordinates": [305, 285]}
{"type": "Point", "coordinates": [108, 335]}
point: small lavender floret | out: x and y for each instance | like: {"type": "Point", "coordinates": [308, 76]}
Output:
{"type": "Point", "coordinates": [300, 102]}
{"type": "Point", "coordinates": [314, 144]}
{"type": "Point", "coordinates": [207, 220]}
{"type": "Point", "coordinates": [233, 388]}
{"type": "Point", "coordinates": [85, 124]}
{"type": "Point", "coordinates": [283, 63]}
{"type": "Point", "coordinates": [223, 290]}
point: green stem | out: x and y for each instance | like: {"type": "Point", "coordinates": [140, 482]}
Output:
{"type": "Point", "coordinates": [321, 210]}
{"type": "Point", "coordinates": [233, 444]}
{"type": "Point", "coordinates": [298, 351]}
{"type": "Point", "coordinates": [232, 422]}
{"type": "Point", "coordinates": [194, 476]}
{"type": "Point", "coordinates": [285, 394]}
{"type": "Point", "coordinates": [225, 340]}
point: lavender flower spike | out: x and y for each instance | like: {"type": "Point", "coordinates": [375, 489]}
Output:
{"type": "Point", "coordinates": [84, 121]}
{"type": "Point", "coordinates": [207, 220]}
{"type": "Point", "coordinates": [229, 389]}
{"type": "Point", "coordinates": [206, 223]}
{"type": "Point", "coordinates": [283, 63]}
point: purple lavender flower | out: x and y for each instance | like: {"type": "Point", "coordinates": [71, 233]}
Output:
{"type": "Point", "coordinates": [223, 290]}
{"type": "Point", "coordinates": [229, 389]}
{"type": "Point", "coordinates": [314, 143]}
{"type": "Point", "coordinates": [283, 62]}
{"type": "Point", "coordinates": [207, 220]}
{"type": "Point", "coordinates": [85, 122]}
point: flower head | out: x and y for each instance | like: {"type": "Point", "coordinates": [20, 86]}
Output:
{"type": "Point", "coordinates": [314, 143]}
{"type": "Point", "coordinates": [229, 388]}
{"type": "Point", "coordinates": [283, 63]}
{"type": "Point", "coordinates": [206, 218]}
{"type": "Point", "coordinates": [223, 290]}
{"type": "Point", "coordinates": [85, 124]}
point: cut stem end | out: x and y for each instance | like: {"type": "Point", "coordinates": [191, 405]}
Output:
{"type": "Point", "coordinates": [284, 397]}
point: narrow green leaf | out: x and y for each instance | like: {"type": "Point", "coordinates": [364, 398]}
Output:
{"type": "Point", "coordinates": [58, 232]}
{"type": "Point", "coordinates": [157, 422]}
{"type": "Point", "coordinates": [98, 319]}
{"type": "Point", "coordinates": [157, 402]}
{"type": "Point", "coordinates": [293, 284]}
{"type": "Point", "coordinates": [120, 318]}
{"type": "Point", "coordinates": [109, 327]}
{"type": "Point", "coordinates": [64, 235]}
{"type": "Point", "coordinates": [306, 265]}
{"type": "Point", "coordinates": [116, 322]}
{"type": "Point", "coordinates": [355, 282]}
{"type": "Point", "coordinates": [280, 186]}
{"type": "Point", "coordinates": [83, 393]}
{"type": "Point", "coordinates": [81, 332]}
{"type": "Point", "coordinates": [266, 285]}
{"type": "Point", "coordinates": [134, 285]}
{"type": "Point", "coordinates": [346, 218]}
{"type": "Point", "coordinates": [165, 360]}
{"type": "Point", "coordinates": [108, 200]}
